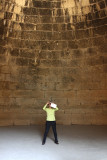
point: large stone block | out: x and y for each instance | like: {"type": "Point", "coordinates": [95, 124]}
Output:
{"type": "Point", "coordinates": [21, 116]}
{"type": "Point", "coordinates": [2, 77]}
{"type": "Point", "coordinates": [38, 120]}
{"type": "Point", "coordinates": [59, 45]}
{"type": "Point", "coordinates": [19, 122]}
{"type": "Point", "coordinates": [46, 19]}
{"type": "Point", "coordinates": [102, 13]}
{"type": "Point", "coordinates": [59, 27]}
{"type": "Point", "coordinates": [100, 30]}
{"type": "Point", "coordinates": [42, 4]}
{"type": "Point", "coordinates": [15, 34]}
{"type": "Point", "coordinates": [101, 4]}
{"type": "Point", "coordinates": [27, 53]}
{"type": "Point", "coordinates": [41, 71]}
{"type": "Point", "coordinates": [69, 35]}
{"type": "Point", "coordinates": [47, 12]}
{"type": "Point", "coordinates": [65, 79]}
{"type": "Point", "coordinates": [96, 119]}
{"type": "Point", "coordinates": [78, 119]}
{"type": "Point", "coordinates": [64, 86]}
{"type": "Point", "coordinates": [31, 94]}
{"type": "Point", "coordinates": [90, 85]}
{"type": "Point", "coordinates": [27, 26]}
{"type": "Point", "coordinates": [2, 50]}
{"type": "Point", "coordinates": [28, 11]}
{"type": "Point", "coordinates": [51, 78]}
{"type": "Point", "coordinates": [3, 41]}
{"type": "Point", "coordinates": [56, 4]}
{"type": "Point", "coordinates": [85, 96]}
{"type": "Point", "coordinates": [81, 25]}
{"type": "Point", "coordinates": [49, 55]}
{"type": "Point", "coordinates": [97, 61]}
{"type": "Point", "coordinates": [6, 122]}
{"type": "Point", "coordinates": [64, 119]}
{"type": "Point", "coordinates": [22, 61]}
{"type": "Point", "coordinates": [99, 22]}
{"type": "Point", "coordinates": [15, 52]}
{"type": "Point", "coordinates": [31, 19]}
{"type": "Point", "coordinates": [91, 51]}
{"type": "Point", "coordinates": [48, 86]}
{"type": "Point", "coordinates": [96, 15]}
{"type": "Point", "coordinates": [56, 71]}
{"type": "Point", "coordinates": [84, 43]}
{"type": "Point", "coordinates": [2, 13]}
{"type": "Point", "coordinates": [8, 15]}
{"type": "Point", "coordinates": [60, 94]}
{"type": "Point", "coordinates": [73, 63]}
{"type": "Point", "coordinates": [72, 44]}
{"type": "Point", "coordinates": [77, 53]}
{"type": "Point", "coordinates": [79, 34]}
{"type": "Point", "coordinates": [44, 27]}
{"type": "Point", "coordinates": [58, 19]}
{"type": "Point", "coordinates": [56, 36]}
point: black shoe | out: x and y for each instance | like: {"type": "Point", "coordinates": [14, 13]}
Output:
{"type": "Point", "coordinates": [56, 142]}
{"type": "Point", "coordinates": [43, 143]}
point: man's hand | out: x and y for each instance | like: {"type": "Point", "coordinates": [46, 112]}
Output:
{"type": "Point", "coordinates": [47, 102]}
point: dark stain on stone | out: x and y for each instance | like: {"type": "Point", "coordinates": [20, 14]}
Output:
{"type": "Point", "coordinates": [103, 101]}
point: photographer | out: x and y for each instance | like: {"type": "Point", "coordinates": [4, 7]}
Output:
{"type": "Point", "coordinates": [50, 109]}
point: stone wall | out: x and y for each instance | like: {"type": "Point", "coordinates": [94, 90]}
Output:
{"type": "Point", "coordinates": [53, 48]}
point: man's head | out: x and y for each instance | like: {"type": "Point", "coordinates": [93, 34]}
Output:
{"type": "Point", "coordinates": [49, 104]}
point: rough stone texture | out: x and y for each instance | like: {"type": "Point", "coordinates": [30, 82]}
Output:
{"type": "Point", "coordinates": [55, 49]}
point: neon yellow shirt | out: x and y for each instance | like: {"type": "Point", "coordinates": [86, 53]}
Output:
{"type": "Point", "coordinates": [50, 113]}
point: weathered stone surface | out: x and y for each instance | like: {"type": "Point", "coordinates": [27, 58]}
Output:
{"type": "Point", "coordinates": [72, 44]}
{"type": "Point", "coordinates": [53, 48]}
{"type": "Point", "coordinates": [43, 27]}
{"type": "Point", "coordinates": [31, 19]}
{"type": "Point", "coordinates": [21, 62]}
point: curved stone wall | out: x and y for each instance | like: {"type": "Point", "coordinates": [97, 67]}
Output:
{"type": "Point", "coordinates": [53, 48]}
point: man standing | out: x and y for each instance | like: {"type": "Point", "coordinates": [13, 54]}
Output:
{"type": "Point", "coordinates": [50, 121]}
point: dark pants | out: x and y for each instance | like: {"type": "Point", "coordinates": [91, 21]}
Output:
{"type": "Point", "coordinates": [48, 125]}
